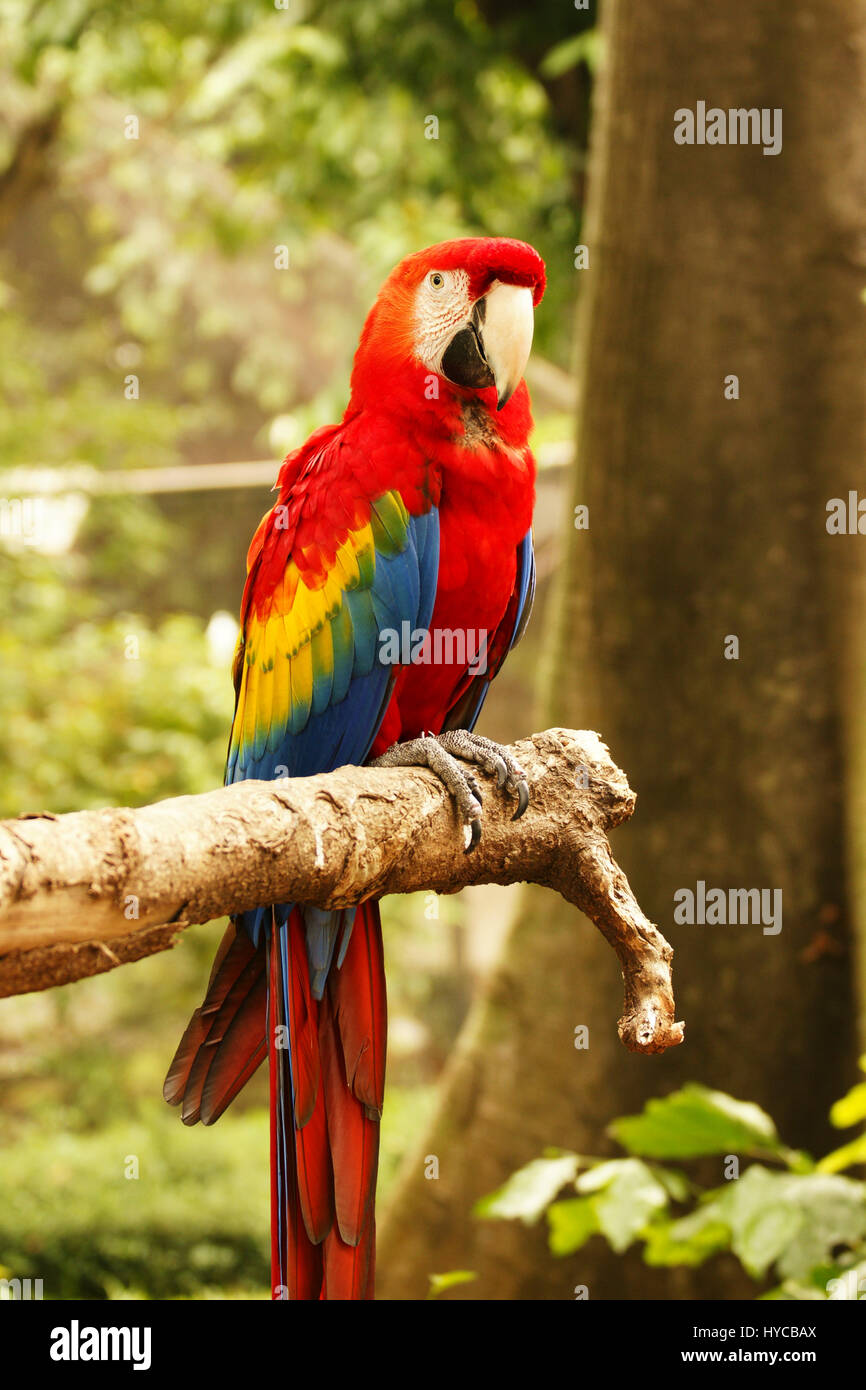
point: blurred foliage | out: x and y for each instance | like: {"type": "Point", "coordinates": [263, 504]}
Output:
{"type": "Point", "coordinates": [440, 1282]}
{"type": "Point", "coordinates": [798, 1223]}
{"type": "Point", "coordinates": [299, 125]}
{"type": "Point", "coordinates": [302, 127]}
{"type": "Point", "coordinates": [193, 1218]}
{"type": "Point", "coordinates": [141, 1207]}
{"type": "Point", "coordinates": [81, 1071]}
{"type": "Point", "coordinates": [102, 712]}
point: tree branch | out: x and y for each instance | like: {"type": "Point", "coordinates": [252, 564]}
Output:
{"type": "Point", "coordinates": [82, 893]}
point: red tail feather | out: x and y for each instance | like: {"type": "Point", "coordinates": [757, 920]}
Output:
{"type": "Point", "coordinates": [327, 1082]}
{"type": "Point", "coordinates": [302, 1023]}
{"type": "Point", "coordinates": [225, 1038]}
{"type": "Point", "coordinates": [360, 1009]}
{"type": "Point", "coordinates": [296, 1260]}
{"type": "Point", "coordinates": [324, 1162]}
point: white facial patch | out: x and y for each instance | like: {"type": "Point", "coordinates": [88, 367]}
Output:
{"type": "Point", "coordinates": [442, 306]}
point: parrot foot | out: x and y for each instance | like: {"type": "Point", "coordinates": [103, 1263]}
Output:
{"type": "Point", "coordinates": [440, 753]}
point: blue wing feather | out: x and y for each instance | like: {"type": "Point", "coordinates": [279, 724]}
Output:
{"type": "Point", "coordinates": [344, 730]}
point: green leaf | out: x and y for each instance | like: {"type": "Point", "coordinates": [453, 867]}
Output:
{"type": "Point", "coordinates": [791, 1291]}
{"type": "Point", "coordinates": [627, 1195]}
{"type": "Point", "coordinates": [695, 1121]}
{"type": "Point", "coordinates": [600, 1175]}
{"type": "Point", "coordinates": [528, 1191]}
{"type": "Point", "coordinates": [846, 1157]}
{"type": "Point", "coordinates": [764, 1237]}
{"type": "Point", "coordinates": [572, 1222]}
{"type": "Point", "coordinates": [689, 1241]}
{"type": "Point", "coordinates": [581, 48]}
{"type": "Point", "coordinates": [794, 1222]}
{"type": "Point", "coordinates": [761, 1221]}
{"type": "Point", "coordinates": [834, 1210]}
{"type": "Point", "coordinates": [675, 1183]}
{"type": "Point", "coordinates": [851, 1109]}
{"type": "Point", "coordinates": [440, 1282]}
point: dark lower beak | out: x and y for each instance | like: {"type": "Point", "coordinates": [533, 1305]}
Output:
{"type": "Point", "coordinates": [463, 361]}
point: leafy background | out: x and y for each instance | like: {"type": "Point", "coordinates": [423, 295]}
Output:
{"type": "Point", "coordinates": [298, 126]}
{"type": "Point", "coordinates": [797, 1225]}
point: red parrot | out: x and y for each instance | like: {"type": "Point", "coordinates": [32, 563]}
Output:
{"type": "Point", "coordinates": [407, 523]}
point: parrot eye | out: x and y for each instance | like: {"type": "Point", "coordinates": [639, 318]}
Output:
{"type": "Point", "coordinates": [436, 279]}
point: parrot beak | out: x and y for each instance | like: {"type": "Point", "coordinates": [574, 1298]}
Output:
{"type": "Point", "coordinates": [494, 347]}
{"type": "Point", "coordinates": [506, 335]}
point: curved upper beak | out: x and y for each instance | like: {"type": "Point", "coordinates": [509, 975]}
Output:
{"type": "Point", "coordinates": [493, 348]}
{"type": "Point", "coordinates": [505, 330]}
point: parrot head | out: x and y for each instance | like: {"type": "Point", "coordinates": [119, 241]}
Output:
{"type": "Point", "coordinates": [461, 311]}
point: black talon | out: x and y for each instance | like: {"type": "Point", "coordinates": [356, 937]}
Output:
{"type": "Point", "coordinates": [475, 833]}
{"type": "Point", "coordinates": [501, 773]}
{"type": "Point", "coordinates": [522, 800]}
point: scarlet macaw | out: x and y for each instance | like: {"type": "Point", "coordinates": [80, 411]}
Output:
{"type": "Point", "coordinates": [415, 510]}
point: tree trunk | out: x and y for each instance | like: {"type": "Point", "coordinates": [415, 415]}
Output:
{"type": "Point", "coordinates": [707, 520]}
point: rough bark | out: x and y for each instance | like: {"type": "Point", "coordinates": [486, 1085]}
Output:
{"type": "Point", "coordinates": [83, 893]}
{"type": "Point", "coordinates": [706, 518]}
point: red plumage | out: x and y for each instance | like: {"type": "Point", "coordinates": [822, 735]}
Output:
{"type": "Point", "coordinates": [456, 452]}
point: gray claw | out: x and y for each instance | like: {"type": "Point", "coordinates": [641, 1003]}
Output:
{"type": "Point", "coordinates": [522, 800]}
{"type": "Point", "coordinates": [475, 835]}
{"type": "Point", "coordinates": [438, 752]}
